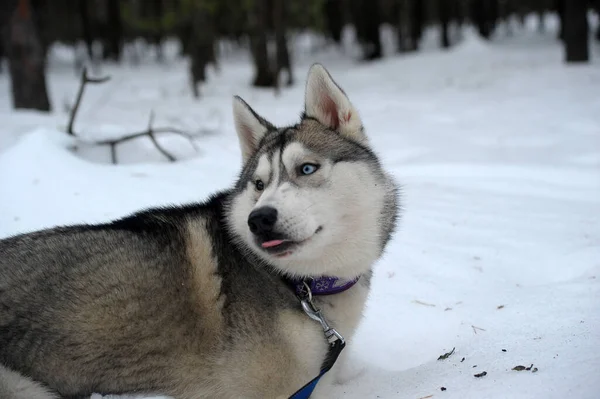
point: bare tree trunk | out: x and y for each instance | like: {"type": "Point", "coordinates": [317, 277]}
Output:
{"type": "Point", "coordinates": [157, 38]}
{"type": "Point", "coordinates": [200, 46]}
{"type": "Point", "coordinates": [402, 25]}
{"type": "Point", "coordinates": [26, 59]}
{"type": "Point", "coordinates": [444, 16]}
{"type": "Point", "coordinates": [114, 41]}
{"type": "Point", "coordinates": [2, 55]}
{"type": "Point", "coordinates": [493, 12]}
{"type": "Point", "coordinates": [366, 17]}
{"type": "Point", "coordinates": [597, 8]}
{"type": "Point", "coordinates": [484, 14]}
{"type": "Point", "coordinates": [39, 10]}
{"type": "Point", "coordinates": [87, 31]}
{"type": "Point", "coordinates": [333, 18]}
{"type": "Point", "coordinates": [184, 33]}
{"type": "Point", "coordinates": [283, 55]}
{"type": "Point", "coordinates": [410, 24]}
{"type": "Point", "coordinates": [576, 31]}
{"type": "Point", "coordinates": [458, 13]}
{"type": "Point", "coordinates": [560, 10]}
{"type": "Point", "coordinates": [258, 20]}
{"type": "Point", "coordinates": [372, 15]}
{"type": "Point", "coordinates": [355, 7]}
{"type": "Point", "coordinates": [417, 9]}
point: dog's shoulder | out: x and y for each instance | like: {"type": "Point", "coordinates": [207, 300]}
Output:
{"type": "Point", "coordinates": [157, 219]}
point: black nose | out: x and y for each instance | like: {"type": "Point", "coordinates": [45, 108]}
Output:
{"type": "Point", "coordinates": [262, 220]}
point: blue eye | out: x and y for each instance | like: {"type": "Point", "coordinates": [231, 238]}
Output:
{"type": "Point", "coordinates": [308, 168]}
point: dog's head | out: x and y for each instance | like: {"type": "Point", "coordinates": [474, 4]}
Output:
{"type": "Point", "coordinates": [312, 199]}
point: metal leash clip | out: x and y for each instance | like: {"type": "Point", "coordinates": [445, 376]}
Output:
{"type": "Point", "coordinates": [314, 313]}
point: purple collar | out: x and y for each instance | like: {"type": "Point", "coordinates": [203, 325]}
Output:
{"type": "Point", "coordinates": [324, 285]}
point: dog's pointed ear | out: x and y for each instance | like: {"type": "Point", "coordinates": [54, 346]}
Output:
{"type": "Point", "coordinates": [326, 102]}
{"type": "Point", "coordinates": [250, 127]}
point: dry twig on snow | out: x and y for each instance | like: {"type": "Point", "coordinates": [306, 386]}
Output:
{"type": "Point", "coordinates": [85, 79]}
{"type": "Point", "coordinates": [150, 132]}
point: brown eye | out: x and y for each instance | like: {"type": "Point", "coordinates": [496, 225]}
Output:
{"type": "Point", "coordinates": [259, 185]}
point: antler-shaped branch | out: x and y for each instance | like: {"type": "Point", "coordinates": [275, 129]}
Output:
{"type": "Point", "coordinates": [150, 131]}
{"type": "Point", "coordinates": [85, 79]}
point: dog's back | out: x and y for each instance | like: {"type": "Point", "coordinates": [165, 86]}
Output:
{"type": "Point", "coordinates": [77, 300]}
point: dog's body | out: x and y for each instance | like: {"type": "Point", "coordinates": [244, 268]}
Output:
{"type": "Point", "coordinates": [191, 301]}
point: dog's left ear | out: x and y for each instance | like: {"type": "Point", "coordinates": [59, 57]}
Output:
{"type": "Point", "coordinates": [250, 127]}
{"type": "Point", "coordinates": [327, 102]}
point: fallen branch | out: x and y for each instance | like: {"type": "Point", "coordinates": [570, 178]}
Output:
{"type": "Point", "coordinates": [170, 157]}
{"type": "Point", "coordinates": [150, 132]}
{"type": "Point", "coordinates": [85, 79]}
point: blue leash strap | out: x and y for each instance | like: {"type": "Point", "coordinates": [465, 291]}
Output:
{"type": "Point", "coordinates": [335, 340]}
{"type": "Point", "coordinates": [334, 351]}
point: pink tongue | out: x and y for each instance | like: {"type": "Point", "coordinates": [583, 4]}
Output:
{"type": "Point", "coordinates": [272, 243]}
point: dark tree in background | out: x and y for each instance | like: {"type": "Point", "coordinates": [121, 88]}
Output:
{"type": "Point", "coordinates": [458, 14]}
{"type": "Point", "coordinates": [493, 14]}
{"type": "Point", "coordinates": [367, 19]}
{"type": "Point", "coordinates": [484, 14]}
{"type": "Point", "coordinates": [201, 44]}
{"type": "Point", "coordinates": [417, 15]}
{"type": "Point", "coordinates": [157, 37]}
{"type": "Point", "coordinates": [372, 20]}
{"type": "Point", "coordinates": [560, 10]}
{"type": "Point", "coordinates": [114, 40]}
{"type": "Point", "coordinates": [39, 11]}
{"type": "Point", "coordinates": [597, 7]}
{"type": "Point", "coordinates": [576, 31]}
{"type": "Point", "coordinates": [283, 55]}
{"type": "Point", "coordinates": [402, 26]}
{"type": "Point", "coordinates": [444, 16]}
{"type": "Point", "coordinates": [264, 28]}
{"type": "Point", "coordinates": [334, 19]}
{"type": "Point", "coordinates": [266, 19]}
{"type": "Point", "coordinates": [86, 27]}
{"type": "Point", "coordinates": [409, 24]}
{"type": "Point", "coordinates": [1, 45]}
{"type": "Point", "coordinates": [258, 19]}
{"type": "Point", "coordinates": [25, 53]}
{"type": "Point", "coordinates": [408, 20]}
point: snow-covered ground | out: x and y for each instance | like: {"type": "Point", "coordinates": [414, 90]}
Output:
{"type": "Point", "coordinates": [497, 146]}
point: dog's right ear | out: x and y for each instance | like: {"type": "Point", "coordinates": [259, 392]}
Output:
{"type": "Point", "coordinates": [250, 127]}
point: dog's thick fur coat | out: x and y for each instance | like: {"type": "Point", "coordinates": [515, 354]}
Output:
{"type": "Point", "coordinates": [190, 301]}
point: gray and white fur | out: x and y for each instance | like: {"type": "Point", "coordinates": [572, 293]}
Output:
{"type": "Point", "coordinates": [190, 301]}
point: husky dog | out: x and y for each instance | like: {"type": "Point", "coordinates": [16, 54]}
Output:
{"type": "Point", "coordinates": [197, 301]}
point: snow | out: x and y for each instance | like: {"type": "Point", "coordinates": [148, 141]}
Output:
{"type": "Point", "coordinates": [496, 145]}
